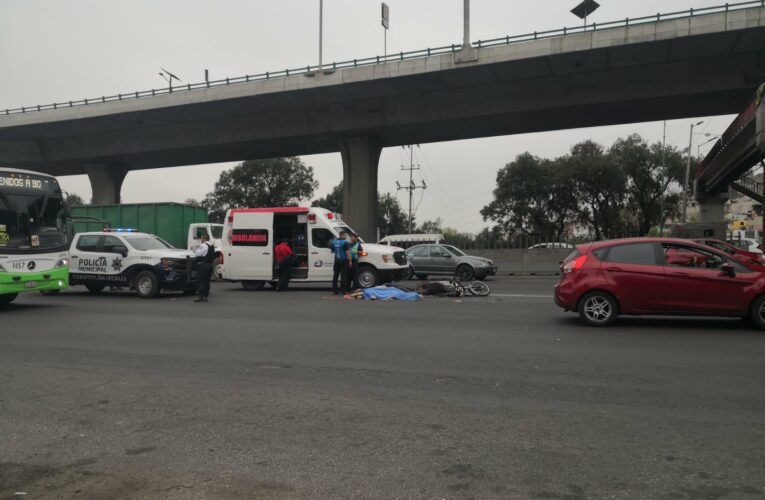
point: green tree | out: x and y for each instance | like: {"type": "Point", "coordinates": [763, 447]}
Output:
{"type": "Point", "coordinates": [431, 226]}
{"type": "Point", "coordinates": [489, 238]}
{"type": "Point", "coordinates": [533, 196]}
{"type": "Point", "coordinates": [73, 200]}
{"type": "Point", "coordinates": [275, 182]}
{"type": "Point", "coordinates": [333, 201]}
{"type": "Point", "coordinates": [599, 188]}
{"type": "Point", "coordinates": [457, 238]}
{"type": "Point", "coordinates": [650, 173]}
{"type": "Point", "coordinates": [391, 218]}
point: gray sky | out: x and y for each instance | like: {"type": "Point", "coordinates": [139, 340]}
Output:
{"type": "Point", "coordinates": [55, 50]}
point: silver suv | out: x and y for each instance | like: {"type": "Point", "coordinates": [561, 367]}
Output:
{"type": "Point", "coordinates": [426, 260]}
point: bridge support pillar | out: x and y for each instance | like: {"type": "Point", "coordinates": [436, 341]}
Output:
{"type": "Point", "coordinates": [712, 207]}
{"type": "Point", "coordinates": [361, 156]}
{"type": "Point", "coordinates": [106, 183]}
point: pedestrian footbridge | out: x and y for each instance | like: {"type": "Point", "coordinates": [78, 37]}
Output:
{"type": "Point", "coordinates": [739, 149]}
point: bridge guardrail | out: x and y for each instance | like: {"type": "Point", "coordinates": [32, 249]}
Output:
{"type": "Point", "coordinates": [400, 56]}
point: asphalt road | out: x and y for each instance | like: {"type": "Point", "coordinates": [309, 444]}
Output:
{"type": "Point", "coordinates": [300, 395]}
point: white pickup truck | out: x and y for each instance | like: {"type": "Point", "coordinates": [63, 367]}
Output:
{"type": "Point", "coordinates": [215, 232]}
{"type": "Point", "coordinates": [250, 235]}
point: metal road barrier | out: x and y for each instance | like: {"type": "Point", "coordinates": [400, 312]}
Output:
{"type": "Point", "coordinates": [401, 56]}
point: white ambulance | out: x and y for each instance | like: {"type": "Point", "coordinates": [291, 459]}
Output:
{"type": "Point", "coordinates": [251, 234]}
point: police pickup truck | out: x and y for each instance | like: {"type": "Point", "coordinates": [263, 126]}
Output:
{"type": "Point", "coordinates": [126, 258]}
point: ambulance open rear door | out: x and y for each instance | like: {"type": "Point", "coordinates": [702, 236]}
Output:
{"type": "Point", "coordinates": [249, 253]}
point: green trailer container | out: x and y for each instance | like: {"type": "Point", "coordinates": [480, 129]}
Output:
{"type": "Point", "coordinates": [169, 221]}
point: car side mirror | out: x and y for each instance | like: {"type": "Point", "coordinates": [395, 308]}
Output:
{"type": "Point", "coordinates": [121, 250]}
{"type": "Point", "coordinates": [728, 269]}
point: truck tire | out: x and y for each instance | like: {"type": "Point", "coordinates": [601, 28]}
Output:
{"type": "Point", "coordinates": [7, 298]}
{"type": "Point", "coordinates": [217, 270]}
{"type": "Point", "coordinates": [369, 277]}
{"type": "Point", "coordinates": [146, 285]}
{"type": "Point", "coordinates": [95, 288]}
{"type": "Point", "coordinates": [253, 286]}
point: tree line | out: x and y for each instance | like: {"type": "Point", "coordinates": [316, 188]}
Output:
{"type": "Point", "coordinates": [627, 189]}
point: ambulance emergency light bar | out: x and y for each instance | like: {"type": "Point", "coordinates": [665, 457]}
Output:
{"type": "Point", "coordinates": [120, 230]}
{"type": "Point", "coordinates": [329, 215]}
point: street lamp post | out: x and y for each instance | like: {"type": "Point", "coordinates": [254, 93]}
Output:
{"type": "Point", "coordinates": [321, 30]}
{"type": "Point", "coordinates": [168, 77]}
{"type": "Point", "coordinates": [386, 25]}
{"type": "Point", "coordinates": [688, 173]}
{"type": "Point", "coordinates": [712, 137]}
{"type": "Point", "coordinates": [584, 9]}
{"type": "Point", "coordinates": [466, 25]}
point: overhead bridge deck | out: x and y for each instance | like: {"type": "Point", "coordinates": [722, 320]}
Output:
{"type": "Point", "coordinates": [739, 149]}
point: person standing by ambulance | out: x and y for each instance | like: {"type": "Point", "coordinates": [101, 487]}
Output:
{"type": "Point", "coordinates": [342, 252]}
{"type": "Point", "coordinates": [285, 259]}
{"type": "Point", "coordinates": [356, 250]}
{"type": "Point", "coordinates": [205, 255]}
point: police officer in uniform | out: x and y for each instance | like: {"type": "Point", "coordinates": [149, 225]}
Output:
{"type": "Point", "coordinates": [205, 255]}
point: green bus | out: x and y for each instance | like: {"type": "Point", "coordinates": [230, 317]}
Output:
{"type": "Point", "coordinates": [34, 240]}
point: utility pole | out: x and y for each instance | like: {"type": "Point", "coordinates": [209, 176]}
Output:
{"type": "Point", "coordinates": [663, 179]}
{"type": "Point", "coordinates": [412, 187]}
{"type": "Point", "coordinates": [688, 174]}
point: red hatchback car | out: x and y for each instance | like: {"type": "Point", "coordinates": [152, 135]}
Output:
{"type": "Point", "coordinates": [658, 276]}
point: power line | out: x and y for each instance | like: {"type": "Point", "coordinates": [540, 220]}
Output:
{"type": "Point", "coordinates": [412, 187]}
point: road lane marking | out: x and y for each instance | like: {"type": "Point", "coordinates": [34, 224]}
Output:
{"type": "Point", "coordinates": [521, 295]}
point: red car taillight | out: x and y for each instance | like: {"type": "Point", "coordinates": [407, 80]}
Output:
{"type": "Point", "coordinates": [574, 265]}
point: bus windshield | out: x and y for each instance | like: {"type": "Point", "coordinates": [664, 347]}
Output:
{"type": "Point", "coordinates": [31, 220]}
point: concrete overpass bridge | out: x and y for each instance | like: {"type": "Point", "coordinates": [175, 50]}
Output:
{"type": "Point", "coordinates": [684, 64]}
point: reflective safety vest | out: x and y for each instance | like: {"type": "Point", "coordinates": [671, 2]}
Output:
{"type": "Point", "coordinates": [355, 250]}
